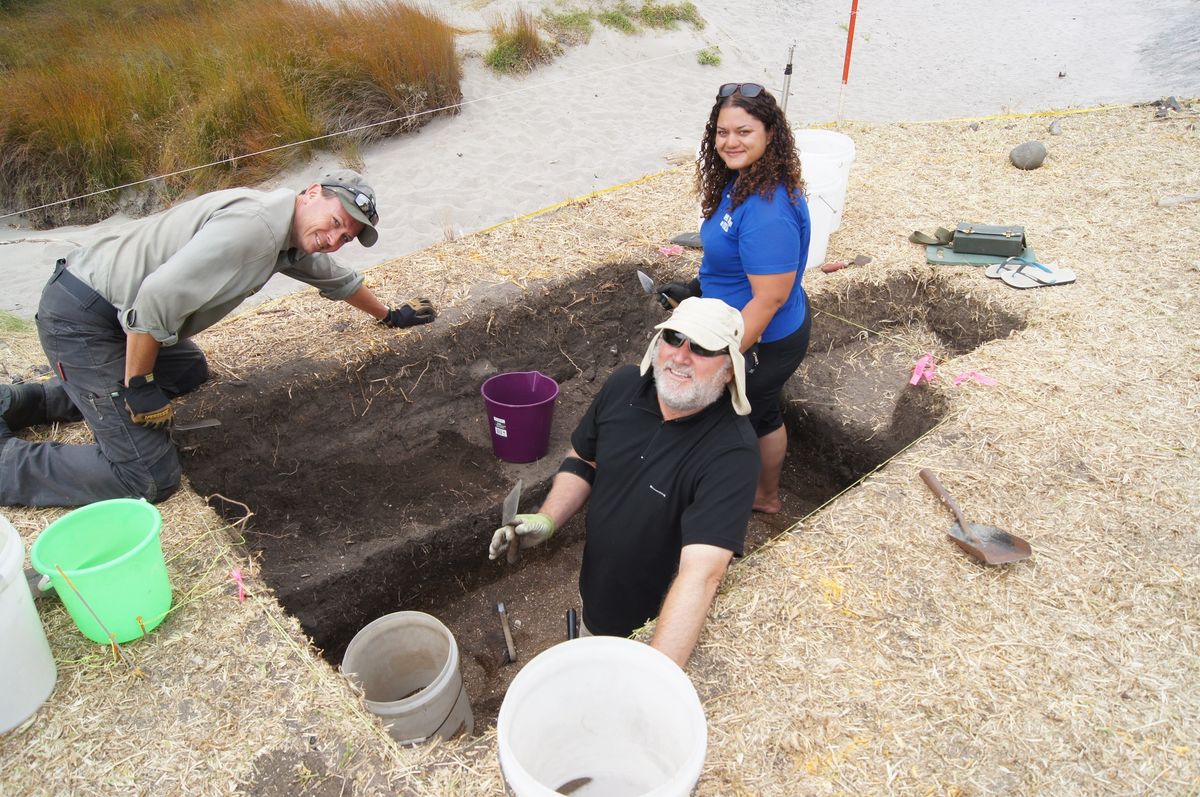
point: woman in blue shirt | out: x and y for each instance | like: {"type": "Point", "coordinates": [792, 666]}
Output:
{"type": "Point", "coordinates": [756, 233]}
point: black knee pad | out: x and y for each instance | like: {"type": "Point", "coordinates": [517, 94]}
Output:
{"type": "Point", "coordinates": [24, 405]}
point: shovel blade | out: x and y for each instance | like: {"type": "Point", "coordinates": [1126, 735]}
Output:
{"type": "Point", "coordinates": [989, 544]}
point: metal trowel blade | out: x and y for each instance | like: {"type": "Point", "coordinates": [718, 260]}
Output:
{"type": "Point", "coordinates": [647, 283]}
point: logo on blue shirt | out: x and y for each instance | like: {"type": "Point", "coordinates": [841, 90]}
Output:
{"type": "Point", "coordinates": [726, 222]}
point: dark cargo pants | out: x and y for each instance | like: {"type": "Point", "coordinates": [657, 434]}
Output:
{"type": "Point", "coordinates": [85, 344]}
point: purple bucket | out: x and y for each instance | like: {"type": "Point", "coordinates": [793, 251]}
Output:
{"type": "Point", "coordinates": [520, 407]}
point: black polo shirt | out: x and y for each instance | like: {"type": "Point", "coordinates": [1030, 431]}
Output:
{"type": "Point", "coordinates": [659, 485]}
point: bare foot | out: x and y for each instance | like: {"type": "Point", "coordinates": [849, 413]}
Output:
{"type": "Point", "coordinates": [768, 506]}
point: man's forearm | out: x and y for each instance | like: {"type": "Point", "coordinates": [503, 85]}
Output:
{"type": "Point", "coordinates": [365, 299]}
{"type": "Point", "coordinates": [567, 496]}
{"type": "Point", "coordinates": [141, 353]}
{"type": "Point", "coordinates": [687, 603]}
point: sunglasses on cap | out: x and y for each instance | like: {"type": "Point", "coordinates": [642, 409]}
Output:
{"type": "Point", "coordinates": [675, 340]}
{"type": "Point", "coordinates": [364, 202]}
{"type": "Point", "coordinates": [748, 90]}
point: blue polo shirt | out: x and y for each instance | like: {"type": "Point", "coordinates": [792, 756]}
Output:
{"type": "Point", "coordinates": [761, 236]}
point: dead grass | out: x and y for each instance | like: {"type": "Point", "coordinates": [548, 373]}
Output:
{"type": "Point", "coordinates": [186, 88]}
{"type": "Point", "coordinates": [859, 653]}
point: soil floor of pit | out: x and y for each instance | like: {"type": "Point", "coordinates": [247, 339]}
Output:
{"type": "Point", "coordinates": [392, 509]}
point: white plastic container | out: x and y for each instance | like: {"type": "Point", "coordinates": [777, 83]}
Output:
{"type": "Point", "coordinates": [821, 187]}
{"type": "Point", "coordinates": [27, 671]}
{"type": "Point", "coordinates": [832, 150]}
{"type": "Point", "coordinates": [407, 664]}
{"type": "Point", "coordinates": [606, 709]}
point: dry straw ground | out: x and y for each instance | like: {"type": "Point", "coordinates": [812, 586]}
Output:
{"type": "Point", "coordinates": [859, 653]}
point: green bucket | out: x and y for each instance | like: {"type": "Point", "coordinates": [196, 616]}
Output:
{"type": "Point", "coordinates": [112, 553]}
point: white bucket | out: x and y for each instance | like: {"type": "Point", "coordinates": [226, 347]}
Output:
{"type": "Point", "coordinates": [407, 665]}
{"type": "Point", "coordinates": [831, 150]}
{"type": "Point", "coordinates": [607, 709]}
{"type": "Point", "coordinates": [27, 670]}
{"type": "Point", "coordinates": [821, 188]}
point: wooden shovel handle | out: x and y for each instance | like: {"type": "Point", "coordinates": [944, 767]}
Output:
{"type": "Point", "coordinates": [940, 491]}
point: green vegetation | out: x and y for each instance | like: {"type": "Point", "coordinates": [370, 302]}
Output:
{"type": "Point", "coordinates": [709, 56]}
{"type": "Point", "coordinates": [627, 18]}
{"type": "Point", "coordinates": [99, 93]}
{"type": "Point", "coordinates": [517, 46]}
{"type": "Point", "coordinates": [10, 323]}
{"type": "Point", "coordinates": [665, 15]}
{"type": "Point", "coordinates": [617, 20]}
{"type": "Point", "coordinates": [569, 27]}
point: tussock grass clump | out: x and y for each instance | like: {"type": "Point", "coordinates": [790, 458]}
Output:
{"type": "Point", "coordinates": [665, 15]}
{"type": "Point", "coordinates": [188, 84]}
{"type": "Point", "coordinates": [518, 47]}
{"type": "Point", "coordinates": [627, 18]}
{"type": "Point", "coordinates": [709, 56]}
{"type": "Point", "coordinates": [569, 27]}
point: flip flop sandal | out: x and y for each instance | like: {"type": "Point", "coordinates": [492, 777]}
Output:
{"type": "Point", "coordinates": [996, 269]}
{"type": "Point", "coordinates": [1036, 275]}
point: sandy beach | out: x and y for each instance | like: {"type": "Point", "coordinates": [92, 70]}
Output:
{"type": "Point", "coordinates": [621, 107]}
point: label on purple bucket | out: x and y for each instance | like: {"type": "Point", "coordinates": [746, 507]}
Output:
{"type": "Point", "coordinates": [500, 427]}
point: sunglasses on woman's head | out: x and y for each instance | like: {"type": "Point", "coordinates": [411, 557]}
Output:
{"type": "Point", "coordinates": [675, 340]}
{"type": "Point", "coordinates": [748, 90]}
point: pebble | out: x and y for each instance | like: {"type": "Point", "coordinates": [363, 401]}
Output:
{"type": "Point", "coordinates": [1056, 127]}
{"type": "Point", "coordinates": [1029, 155]}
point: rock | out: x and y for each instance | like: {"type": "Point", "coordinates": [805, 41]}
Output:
{"type": "Point", "coordinates": [1056, 127]}
{"type": "Point", "coordinates": [1173, 104]}
{"type": "Point", "coordinates": [974, 125]}
{"type": "Point", "coordinates": [691, 239]}
{"type": "Point", "coordinates": [1029, 155]}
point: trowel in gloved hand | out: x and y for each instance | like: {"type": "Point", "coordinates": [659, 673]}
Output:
{"type": "Point", "coordinates": [507, 513]}
{"type": "Point", "coordinates": [667, 302]}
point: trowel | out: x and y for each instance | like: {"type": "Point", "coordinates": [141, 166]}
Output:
{"type": "Point", "coordinates": [647, 283]}
{"type": "Point", "coordinates": [507, 512]}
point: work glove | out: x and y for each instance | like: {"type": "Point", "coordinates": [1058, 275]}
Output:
{"type": "Point", "coordinates": [409, 314]}
{"type": "Point", "coordinates": [671, 294]}
{"type": "Point", "coordinates": [527, 530]}
{"type": "Point", "coordinates": [147, 404]}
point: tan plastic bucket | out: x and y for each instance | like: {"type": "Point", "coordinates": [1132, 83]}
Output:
{"type": "Point", "coordinates": [407, 665]}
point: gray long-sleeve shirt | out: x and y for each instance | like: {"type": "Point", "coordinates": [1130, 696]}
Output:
{"type": "Point", "coordinates": [178, 272]}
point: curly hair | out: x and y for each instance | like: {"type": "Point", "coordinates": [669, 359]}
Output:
{"type": "Point", "coordinates": [780, 163]}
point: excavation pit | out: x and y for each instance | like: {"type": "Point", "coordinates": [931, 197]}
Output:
{"type": "Point", "coordinates": [375, 489]}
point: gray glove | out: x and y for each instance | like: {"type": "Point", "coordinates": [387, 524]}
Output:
{"type": "Point", "coordinates": [527, 530]}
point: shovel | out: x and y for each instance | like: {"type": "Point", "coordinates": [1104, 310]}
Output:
{"type": "Point", "coordinates": [988, 544]}
{"type": "Point", "coordinates": [507, 513]}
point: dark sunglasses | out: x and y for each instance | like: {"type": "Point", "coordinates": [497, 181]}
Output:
{"type": "Point", "coordinates": [676, 340]}
{"type": "Point", "coordinates": [748, 90]}
{"type": "Point", "coordinates": [364, 202]}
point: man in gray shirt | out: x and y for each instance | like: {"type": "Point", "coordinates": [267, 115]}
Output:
{"type": "Point", "coordinates": [116, 317]}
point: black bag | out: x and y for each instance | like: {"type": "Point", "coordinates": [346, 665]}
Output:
{"type": "Point", "coordinates": [988, 239]}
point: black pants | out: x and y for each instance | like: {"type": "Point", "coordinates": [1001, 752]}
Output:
{"type": "Point", "coordinates": [777, 361]}
{"type": "Point", "coordinates": [85, 345]}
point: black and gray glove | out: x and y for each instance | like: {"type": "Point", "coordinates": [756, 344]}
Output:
{"type": "Point", "coordinates": [409, 314]}
{"type": "Point", "coordinates": [671, 294]}
{"type": "Point", "coordinates": [147, 404]}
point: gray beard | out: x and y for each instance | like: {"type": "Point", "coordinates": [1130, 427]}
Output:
{"type": "Point", "coordinates": [690, 399]}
